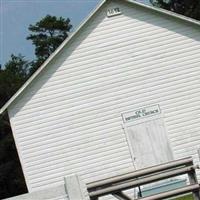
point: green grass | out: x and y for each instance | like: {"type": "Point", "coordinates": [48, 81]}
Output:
{"type": "Point", "coordinates": [188, 197]}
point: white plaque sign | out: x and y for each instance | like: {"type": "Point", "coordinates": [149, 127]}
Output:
{"type": "Point", "coordinates": [141, 113]}
{"type": "Point", "coordinates": [113, 11]}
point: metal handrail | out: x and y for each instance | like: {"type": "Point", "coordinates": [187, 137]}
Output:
{"type": "Point", "coordinates": [116, 184]}
{"type": "Point", "coordinates": [142, 181]}
{"type": "Point", "coordinates": [142, 172]}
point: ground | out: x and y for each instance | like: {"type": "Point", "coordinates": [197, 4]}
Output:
{"type": "Point", "coordinates": [188, 197]}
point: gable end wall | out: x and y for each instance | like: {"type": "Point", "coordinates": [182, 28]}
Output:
{"type": "Point", "coordinates": [69, 119]}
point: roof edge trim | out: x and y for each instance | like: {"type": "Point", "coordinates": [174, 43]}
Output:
{"type": "Point", "coordinates": [166, 12]}
{"type": "Point", "coordinates": [37, 72]}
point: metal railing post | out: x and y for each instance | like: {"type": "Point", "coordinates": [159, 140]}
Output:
{"type": "Point", "coordinates": [193, 180]}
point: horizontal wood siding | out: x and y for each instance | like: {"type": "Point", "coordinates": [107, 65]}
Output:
{"type": "Point", "coordinates": [69, 120]}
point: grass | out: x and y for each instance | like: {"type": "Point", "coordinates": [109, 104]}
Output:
{"type": "Point", "coordinates": [188, 197]}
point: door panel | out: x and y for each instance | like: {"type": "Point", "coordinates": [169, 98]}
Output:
{"type": "Point", "coordinates": [149, 143]}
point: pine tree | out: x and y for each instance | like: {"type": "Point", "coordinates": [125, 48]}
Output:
{"type": "Point", "coordinates": [46, 36]}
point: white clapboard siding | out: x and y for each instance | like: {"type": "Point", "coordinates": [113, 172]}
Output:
{"type": "Point", "coordinates": [69, 118]}
{"type": "Point", "coordinates": [52, 193]}
{"type": "Point", "coordinates": [73, 188]}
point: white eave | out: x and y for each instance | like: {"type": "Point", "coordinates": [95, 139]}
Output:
{"type": "Point", "coordinates": [65, 42]}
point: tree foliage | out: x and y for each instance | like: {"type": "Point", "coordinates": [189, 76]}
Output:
{"type": "Point", "coordinates": [14, 74]}
{"type": "Point", "coordinates": [12, 181]}
{"type": "Point", "coordinates": [189, 8]}
{"type": "Point", "coordinates": [12, 77]}
{"type": "Point", "coordinates": [47, 35]}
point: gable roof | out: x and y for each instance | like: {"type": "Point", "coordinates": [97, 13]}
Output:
{"type": "Point", "coordinates": [67, 40]}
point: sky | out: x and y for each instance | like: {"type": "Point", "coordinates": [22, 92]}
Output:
{"type": "Point", "coordinates": [17, 15]}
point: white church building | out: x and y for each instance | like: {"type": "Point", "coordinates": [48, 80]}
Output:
{"type": "Point", "coordinates": [121, 92]}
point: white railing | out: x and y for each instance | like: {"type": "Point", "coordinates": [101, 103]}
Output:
{"type": "Point", "coordinates": [116, 185]}
{"type": "Point", "coordinates": [75, 189]}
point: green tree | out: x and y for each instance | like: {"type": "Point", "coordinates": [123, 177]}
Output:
{"type": "Point", "coordinates": [12, 181]}
{"type": "Point", "coordinates": [14, 74]}
{"type": "Point", "coordinates": [189, 8]}
{"type": "Point", "coordinates": [46, 36]}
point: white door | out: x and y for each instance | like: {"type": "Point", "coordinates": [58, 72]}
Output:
{"type": "Point", "coordinates": [149, 143]}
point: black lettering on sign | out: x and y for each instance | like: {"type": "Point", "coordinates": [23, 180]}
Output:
{"type": "Point", "coordinates": [141, 113]}
{"type": "Point", "coordinates": [113, 11]}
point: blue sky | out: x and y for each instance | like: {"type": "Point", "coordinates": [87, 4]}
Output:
{"type": "Point", "coordinates": [17, 15]}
